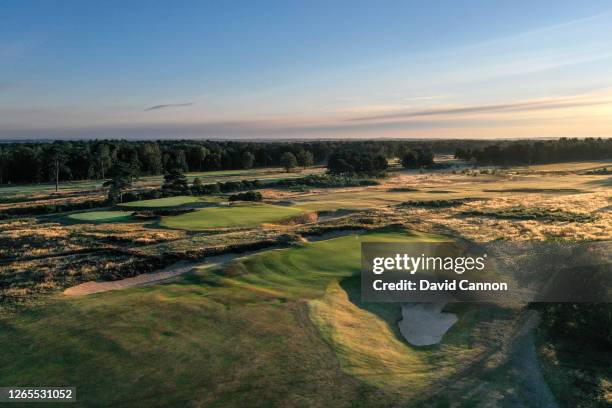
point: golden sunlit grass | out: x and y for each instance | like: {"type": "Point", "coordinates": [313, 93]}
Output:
{"type": "Point", "coordinates": [367, 347]}
{"type": "Point", "coordinates": [293, 311]}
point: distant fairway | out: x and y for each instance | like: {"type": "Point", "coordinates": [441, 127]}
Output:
{"type": "Point", "coordinates": [101, 216]}
{"type": "Point", "coordinates": [262, 174]}
{"type": "Point", "coordinates": [167, 202]}
{"type": "Point", "coordinates": [247, 215]}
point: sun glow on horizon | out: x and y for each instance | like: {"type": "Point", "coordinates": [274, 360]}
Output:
{"type": "Point", "coordinates": [499, 73]}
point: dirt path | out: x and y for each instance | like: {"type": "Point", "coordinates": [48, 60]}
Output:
{"type": "Point", "coordinates": [160, 276]}
{"type": "Point", "coordinates": [525, 360]}
{"type": "Point", "coordinates": [333, 234]}
{"type": "Point", "coordinates": [180, 268]}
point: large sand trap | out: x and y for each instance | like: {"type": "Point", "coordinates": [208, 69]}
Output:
{"type": "Point", "coordinates": [424, 324]}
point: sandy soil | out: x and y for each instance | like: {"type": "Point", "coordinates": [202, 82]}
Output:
{"type": "Point", "coordinates": [160, 276]}
{"type": "Point", "coordinates": [524, 363]}
{"type": "Point", "coordinates": [424, 324]}
{"type": "Point", "coordinates": [333, 234]}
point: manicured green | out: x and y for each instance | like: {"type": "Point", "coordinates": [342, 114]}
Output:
{"type": "Point", "coordinates": [306, 271]}
{"type": "Point", "coordinates": [248, 215]}
{"type": "Point", "coordinates": [101, 216]}
{"type": "Point", "coordinates": [166, 202]}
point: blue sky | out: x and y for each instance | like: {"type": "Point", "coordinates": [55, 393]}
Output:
{"type": "Point", "coordinates": [257, 69]}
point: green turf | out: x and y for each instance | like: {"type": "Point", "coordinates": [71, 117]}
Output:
{"type": "Point", "coordinates": [304, 272]}
{"type": "Point", "coordinates": [191, 341]}
{"type": "Point", "coordinates": [101, 216]}
{"type": "Point", "coordinates": [166, 202]}
{"type": "Point", "coordinates": [268, 174]}
{"type": "Point", "coordinates": [243, 215]}
{"type": "Point", "coordinates": [243, 335]}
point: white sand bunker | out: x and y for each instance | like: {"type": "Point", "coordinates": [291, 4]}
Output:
{"type": "Point", "coordinates": [424, 324]}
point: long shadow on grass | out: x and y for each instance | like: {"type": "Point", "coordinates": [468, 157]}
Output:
{"type": "Point", "coordinates": [62, 346]}
{"type": "Point", "coordinates": [537, 190]}
{"type": "Point", "coordinates": [477, 329]}
{"type": "Point", "coordinates": [607, 182]}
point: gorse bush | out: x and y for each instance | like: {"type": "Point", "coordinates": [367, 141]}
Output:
{"type": "Point", "coordinates": [434, 203]}
{"type": "Point", "coordinates": [247, 196]}
{"type": "Point", "coordinates": [522, 213]}
{"type": "Point", "coordinates": [324, 181]}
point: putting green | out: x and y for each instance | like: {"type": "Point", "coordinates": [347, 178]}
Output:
{"type": "Point", "coordinates": [167, 202]}
{"type": "Point", "coordinates": [243, 215]}
{"type": "Point", "coordinates": [101, 216]}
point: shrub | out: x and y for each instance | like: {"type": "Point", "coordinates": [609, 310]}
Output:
{"type": "Point", "coordinates": [248, 196]}
{"type": "Point", "coordinates": [401, 189]}
{"type": "Point", "coordinates": [434, 203]}
{"type": "Point", "coordinates": [323, 181]}
{"type": "Point", "coordinates": [521, 213]}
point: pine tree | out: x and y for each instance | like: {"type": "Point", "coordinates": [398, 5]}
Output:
{"type": "Point", "coordinates": [121, 181]}
{"type": "Point", "coordinates": [288, 161]}
{"type": "Point", "coordinates": [175, 183]}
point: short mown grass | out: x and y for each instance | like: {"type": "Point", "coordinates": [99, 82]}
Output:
{"type": "Point", "coordinates": [164, 202]}
{"type": "Point", "coordinates": [234, 216]}
{"type": "Point", "coordinates": [100, 217]}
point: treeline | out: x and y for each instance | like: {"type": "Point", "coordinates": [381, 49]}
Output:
{"type": "Point", "coordinates": [355, 162]}
{"type": "Point", "coordinates": [538, 152]}
{"type": "Point", "coordinates": [176, 184]}
{"type": "Point", "coordinates": [36, 162]}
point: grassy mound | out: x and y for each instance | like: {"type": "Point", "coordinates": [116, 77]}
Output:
{"type": "Point", "coordinates": [100, 217]}
{"type": "Point", "coordinates": [248, 215]}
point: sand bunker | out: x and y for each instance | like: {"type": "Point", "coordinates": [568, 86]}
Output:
{"type": "Point", "coordinates": [424, 324]}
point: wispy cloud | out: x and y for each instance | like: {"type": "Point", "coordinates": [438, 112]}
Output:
{"type": "Point", "coordinates": [548, 104]}
{"type": "Point", "coordinates": [169, 105]}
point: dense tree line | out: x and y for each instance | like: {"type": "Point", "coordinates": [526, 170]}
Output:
{"type": "Point", "coordinates": [533, 152]}
{"type": "Point", "coordinates": [413, 159]}
{"type": "Point", "coordinates": [352, 162]}
{"type": "Point", "coordinates": [34, 162]}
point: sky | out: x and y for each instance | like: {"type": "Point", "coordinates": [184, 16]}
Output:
{"type": "Point", "coordinates": [305, 69]}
